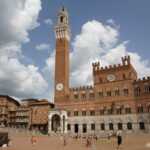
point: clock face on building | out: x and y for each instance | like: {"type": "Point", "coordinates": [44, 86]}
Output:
{"type": "Point", "coordinates": [59, 86]}
{"type": "Point", "coordinates": [111, 77]}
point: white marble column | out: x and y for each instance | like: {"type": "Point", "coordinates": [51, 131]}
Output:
{"type": "Point", "coordinates": [65, 126]}
{"type": "Point", "coordinates": [49, 126]}
{"type": "Point", "coordinates": [61, 124]}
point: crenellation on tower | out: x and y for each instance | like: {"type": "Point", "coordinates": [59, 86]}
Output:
{"type": "Point", "coordinates": [96, 66]}
{"type": "Point", "coordinates": [126, 60]}
{"type": "Point", "coordinates": [144, 79]}
{"type": "Point", "coordinates": [110, 66]}
{"type": "Point", "coordinates": [81, 88]}
{"type": "Point", "coordinates": [125, 64]}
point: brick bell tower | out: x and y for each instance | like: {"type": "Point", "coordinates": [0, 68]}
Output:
{"type": "Point", "coordinates": [62, 34]}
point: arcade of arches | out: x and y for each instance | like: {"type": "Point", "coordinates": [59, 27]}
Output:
{"type": "Point", "coordinates": [95, 124]}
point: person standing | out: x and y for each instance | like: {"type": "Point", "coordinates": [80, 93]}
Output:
{"type": "Point", "coordinates": [119, 140]}
{"type": "Point", "coordinates": [108, 137]}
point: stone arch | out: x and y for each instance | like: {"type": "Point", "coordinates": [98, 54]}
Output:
{"type": "Point", "coordinates": [84, 121]}
{"type": "Point", "coordinates": [141, 119]}
{"type": "Point", "coordinates": [110, 120]}
{"type": "Point", "coordinates": [92, 121]}
{"type": "Point", "coordinates": [119, 120]}
{"type": "Point", "coordinates": [56, 122]}
{"type": "Point", "coordinates": [102, 121]}
{"type": "Point", "coordinates": [128, 119]}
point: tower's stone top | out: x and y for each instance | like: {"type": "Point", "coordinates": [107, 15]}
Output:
{"type": "Point", "coordinates": [63, 16]}
{"type": "Point", "coordinates": [62, 29]}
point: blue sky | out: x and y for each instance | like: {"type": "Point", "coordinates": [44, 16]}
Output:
{"type": "Point", "coordinates": [27, 41]}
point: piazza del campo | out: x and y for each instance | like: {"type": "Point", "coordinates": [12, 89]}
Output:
{"type": "Point", "coordinates": [116, 102]}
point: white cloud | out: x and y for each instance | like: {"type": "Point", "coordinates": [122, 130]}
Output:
{"type": "Point", "coordinates": [17, 17]}
{"type": "Point", "coordinates": [42, 46]}
{"type": "Point", "coordinates": [48, 22]}
{"type": "Point", "coordinates": [16, 79]}
{"type": "Point", "coordinates": [97, 42]}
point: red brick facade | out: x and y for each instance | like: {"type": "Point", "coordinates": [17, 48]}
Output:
{"type": "Point", "coordinates": [116, 98]}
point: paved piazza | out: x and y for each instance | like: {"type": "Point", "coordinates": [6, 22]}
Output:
{"type": "Point", "coordinates": [21, 142]}
{"type": "Point", "coordinates": [46, 143]}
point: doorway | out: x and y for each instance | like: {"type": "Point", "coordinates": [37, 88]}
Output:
{"type": "Point", "coordinates": [76, 128]}
{"type": "Point", "coordinates": [56, 123]}
{"type": "Point", "coordinates": [84, 128]}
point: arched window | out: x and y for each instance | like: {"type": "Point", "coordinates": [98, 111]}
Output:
{"type": "Point", "coordinates": [92, 126]}
{"type": "Point", "coordinates": [118, 110]}
{"type": "Point", "coordinates": [100, 94]}
{"type": "Point", "coordinates": [102, 111]}
{"type": "Point", "coordinates": [102, 126]}
{"type": "Point", "coordinates": [137, 90]}
{"type": "Point", "coordinates": [128, 109]}
{"type": "Point", "coordinates": [68, 113]}
{"type": "Point", "coordinates": [109, 111]}
{"type": "Point", "coordinates": [92, 112]}
{"type": "Point", "coordinates": [139, 109]}
{"type": "Point", "coordinates": [147, 88]}
{"type": "Point", "coordinates": [100, 80]}
{"type": "Point", "coordinates": [91, 95]}
{"type": "Point", "coordinates": [117, 92]}
{"type": "Point", "coordinates": [129, 126]}
{"type": "Point", "coordinates": [126, 92]}
{"type": "Point", "coordinates": [111, 127]}
{"type": "Point", "coordinates": [75, 113]}
{"type": "Point", "coordinates": [68, 127]}
{"type": "Point", "coordinates": [119, 126]}
{"type": "Point", "coordinates": [61, 19]}
{"type": "Point", "coordinates": [83, 95]}
{"type": "Point", "coordinates": [75, 95]}
{"type": "Point", "coordinates": [83, 112]}
{"type": "Point", "coordinates": [123, 76]}
{"type": "Point", "coordinates": [142, 125]}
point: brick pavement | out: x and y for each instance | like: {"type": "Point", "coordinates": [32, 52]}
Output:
{"type": "Point", "coordinates": [46, 143]}
{"type": "Point", "coordinates": [20, 142]}
{"type": "Point", "coordinates": [135, 142]}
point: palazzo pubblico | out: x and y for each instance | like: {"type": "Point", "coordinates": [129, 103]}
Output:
{"type": "Point", "coordinates": [116, 101]}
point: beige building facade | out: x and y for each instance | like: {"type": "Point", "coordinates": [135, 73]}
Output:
{"type": "Point", "coordinates": [117, 100]}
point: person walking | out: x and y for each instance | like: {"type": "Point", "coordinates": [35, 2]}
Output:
{"type": "Point", "coordinates": [65, 140]}
{"type": "Point", "coordinates": [33, 140]}
{"type": "Point", "coordinates": [119, 141]}
{"type": "Point", "coordinates": [108, 137]}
